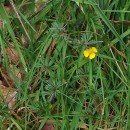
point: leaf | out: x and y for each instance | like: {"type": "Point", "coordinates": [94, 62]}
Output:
{"type": "Point", "coordinates": [9, 95]}
{"type": "Point", "coordinates": [102, 16]}
{"type": "Point", "coordinates": [6, 20]}
{"type": "Point", "coordinates": [12, 55]}
{"type": "Point", "coordinates": [107, 22]}
{"type": "Point", "coordinates": [16, 124]}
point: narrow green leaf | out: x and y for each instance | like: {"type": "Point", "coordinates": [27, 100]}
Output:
{"type": "Point", "coordinates": [16, 124]}
{"type": "Point", "coordinates": [6, 20]}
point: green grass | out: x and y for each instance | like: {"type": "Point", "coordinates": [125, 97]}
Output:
{"type": "Point", "coordinates": [59, 83]}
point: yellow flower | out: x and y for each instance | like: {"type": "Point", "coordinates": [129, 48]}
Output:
{"type": "Point", "coordinates": [90, 53]}
{"type": "Point", "coordinates": [91, 56]}
{"type": "Point", "coordinates": [94, 49]}
{"type": "Point", "coordinates": [86, 53]}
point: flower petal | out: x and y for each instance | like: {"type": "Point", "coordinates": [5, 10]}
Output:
{"type": "Point", "coordinates": [86, 53]}
{"type": "Point", "coordinates": [94, 49]}
{"type": "Point", "coordinates": [91, 56]}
